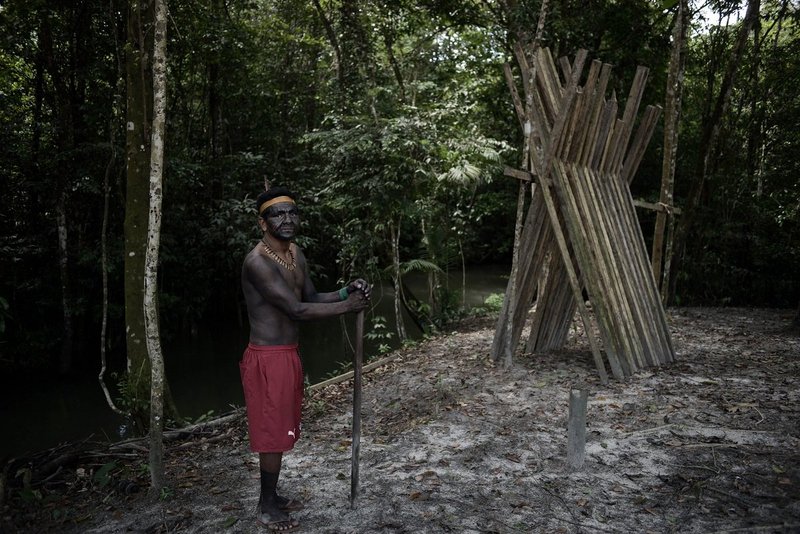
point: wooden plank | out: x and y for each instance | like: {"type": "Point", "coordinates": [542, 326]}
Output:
{"type": "Point", "coordinates": [566, 68]}
{"type": "Point", "coordinates": [512, 87]}
{"type": "Point", "coordinates": [522, 61]}
{"type": "Point", "coordinates": [626, 281]}
{"type": "Point", "coordinates": [628, 117]}
{"type": "Point", "coordinates": [576, 428]}
{"type": "Point", "coordinates": [603, 132]}
{"type": "Point", "coordinates": [542, 167]}
{"type": "Point", "coordinates": [614, 139]}
{"type": "Point", "coordinates": [643, 135]}
{"type": "Point", "coordinates": [588, 113]}
{"type": "Point", "coordinates": [584, 157]}
{"type": "Point", "coordinates": [594, 206]}
{"type": "Point", "coordinates": [654, 310]}
{"type": "Point", "coordinates": [519, 174]}
{"type": "Point", "coordinates": [516, 303]}
{"type": "Point", "coordinates": [656, 207]}
{"type": "Point", "coordinates": [599, 293]}
{"type": "Point", "coordinates": [637, 241]}
{"type": "Point", "coordinates": [552, 73]}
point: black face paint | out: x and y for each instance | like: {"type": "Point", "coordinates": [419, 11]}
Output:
{"type": "Point", "coordinates": [282, 220]}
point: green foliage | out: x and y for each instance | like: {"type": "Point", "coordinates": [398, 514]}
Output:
{"type": "Point", "coordinates": [229, 522]}
{"type": "Point", "coordinates": [494, 301]}
{"type": "Point", "coordinates": [743, 249]}
{"type": "Point", "coordinates": [405, 131]}
{"type": "Point", "coordinates": [103, 475]}
{"type": "Point", "coordinates": [379, 333]}
{"type": "Point", "coordinates": [166, 493]}
{"type": "Point", "coordinates": [131, 401]}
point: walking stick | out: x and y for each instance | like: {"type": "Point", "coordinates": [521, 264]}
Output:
{"type": "Point", "coordinates": [358, 359]}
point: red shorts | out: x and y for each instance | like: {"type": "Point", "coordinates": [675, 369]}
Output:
{"type": "Point", "coordinates": [272, 379]}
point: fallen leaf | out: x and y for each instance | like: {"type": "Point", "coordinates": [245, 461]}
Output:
{"type": "Point", "coordinates": [229, 522]}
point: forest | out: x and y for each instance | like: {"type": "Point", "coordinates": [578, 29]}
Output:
{"type": "Point", "coordinates": [392, 122]}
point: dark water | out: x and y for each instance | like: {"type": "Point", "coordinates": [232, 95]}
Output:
{"type": "Point", "coordinates": [38, 413]}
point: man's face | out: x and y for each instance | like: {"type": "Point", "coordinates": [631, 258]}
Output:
{"type": "Point", "coordinates": [282, 221]}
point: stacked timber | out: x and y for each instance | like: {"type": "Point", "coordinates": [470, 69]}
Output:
{"type": "Point", "coordinates": [581, 232]}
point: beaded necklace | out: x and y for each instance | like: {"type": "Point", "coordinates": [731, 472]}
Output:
{"type": "Point", "coordinates": [280, 261]}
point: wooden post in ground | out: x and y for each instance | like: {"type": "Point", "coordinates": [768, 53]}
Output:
{"type": "Point", "coordinates": [576, 428]}
{"type": "Point", "coordinates": [358, 360]}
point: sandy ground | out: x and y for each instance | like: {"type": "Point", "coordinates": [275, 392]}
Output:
{"type": "Point", "coordinates": [452, 443]}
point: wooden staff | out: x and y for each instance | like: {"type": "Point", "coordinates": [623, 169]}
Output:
{"type": "Point", "coordinates": [358, 360]}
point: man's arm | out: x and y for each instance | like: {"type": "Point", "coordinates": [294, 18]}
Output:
{"type": "Point", "coordinates": [267, 279]}
{"type": "Point", "coordinates": [310, 294]}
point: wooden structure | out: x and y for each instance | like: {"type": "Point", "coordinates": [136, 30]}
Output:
{"type": "Point", "coordinates": [581, 232]}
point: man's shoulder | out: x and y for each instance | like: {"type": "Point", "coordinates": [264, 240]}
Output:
{"type": "Point", "coordinates": [255, 261]}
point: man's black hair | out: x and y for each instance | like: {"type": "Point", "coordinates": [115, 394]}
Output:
{"type": "Point", "coordinates": [270, 194]}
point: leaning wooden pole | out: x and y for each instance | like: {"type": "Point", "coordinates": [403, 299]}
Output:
{"type": "Point", "coordinates": [358, 361]}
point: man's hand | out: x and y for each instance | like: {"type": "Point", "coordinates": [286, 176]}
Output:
{"type": "Point", "coordinates": [357, 300]}
{"type": "Point", "coordinates": [360, 285]}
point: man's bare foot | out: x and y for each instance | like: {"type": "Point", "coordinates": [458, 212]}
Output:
{"type": "Point", "coordinates": [288, 505]}
{"type": "Point", "coordinates": [276, 520]}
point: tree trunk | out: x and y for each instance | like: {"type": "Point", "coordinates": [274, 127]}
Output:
{"type": "Point", "coordinates": [708, 142]}
{"type": "Point", "coordinates": [398, 289]}
{"type": "Point", "coordinates": [332, 38]}
{"type": "Point", "coordinates": [139, 84]}
{"type": "Point", "coordinates": [65, 360]}
{"type": "Point", "coordinates": [754, 134]}
{"type": "Point", "coordinates": [104, 271]}
{"type": "Point", "coordinates": [65, 143]}
{"type": "Point", "coordinates": [672, 115]}
{"type": "Point", "coordinates": [151, 257]}
{"type": "Point", "coordinates": [215, 111]}
{"type": "Point", "coordinates": [388, 41]}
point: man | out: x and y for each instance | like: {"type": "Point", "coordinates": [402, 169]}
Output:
{"type": "Point", "coordinates": [279, 293]}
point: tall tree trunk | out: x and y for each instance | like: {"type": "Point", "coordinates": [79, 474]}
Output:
{"type": "Point", "coordinates": [330, 31]}
{"type": "Point", "coordinates": [708, 143]}
{"type": "Point", "coordinates": [351, 47]}
{"type": "Point", "coordinates": [139, 84]}
{"type": "Point", "coordinates": [65, 361]}
{"type": "Point", "coordinates": [65, 143]}
{"type": "Point", "coordinates": [104, 270]}
{"type": "Point", "coordinates": [672, 115]}
{"type": "Point", "coordinates": [396, 280]}
{"type": "Point", "coordinates": [754, 137]}
{"type": "Point", "coordinates": [388, 41]}
{"type": "Point", "coordinates": [215, 110]}
{"type": "Point", "coordinates": [151, 257]}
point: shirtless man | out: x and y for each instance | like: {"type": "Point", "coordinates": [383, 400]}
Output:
{"type": "Point", "coordinates": [279, 293]}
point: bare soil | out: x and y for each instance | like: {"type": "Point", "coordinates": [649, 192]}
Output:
{"type": "Point", "coordinates": [453, 443]}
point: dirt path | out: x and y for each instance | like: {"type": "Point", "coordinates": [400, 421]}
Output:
{"type": "Point", "coordinates": [452, 444]}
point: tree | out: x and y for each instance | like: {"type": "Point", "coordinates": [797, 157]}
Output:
{"type": "Point", "coordinates": [139, 96]}
{"type": "Point", "coordinates": [708, 143]}
{"type": "Point", "coordinates": [139, 129]}
{"type": "Point", "coordinates": [672, 116]}
{"type": "Point", "coordinates": [153, 240]}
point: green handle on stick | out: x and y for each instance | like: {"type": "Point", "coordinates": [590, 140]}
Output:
{"type": "Point", "coordinates": [358, 360]}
